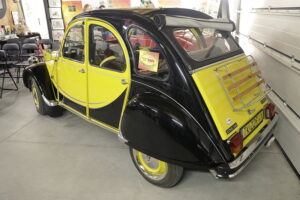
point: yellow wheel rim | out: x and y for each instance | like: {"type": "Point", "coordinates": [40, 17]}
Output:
{"type": "Point", "coordinates": [35, 97]}
{"type": "Point", "coordinates": [158, 169]}
{"type": "Point", "coordinates": [151, 167]}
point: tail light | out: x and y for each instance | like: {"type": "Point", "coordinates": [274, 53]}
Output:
{"type": "Point", "coordinates": [236, 143]}
{"type": "Point", "coordinates": [270, 111]}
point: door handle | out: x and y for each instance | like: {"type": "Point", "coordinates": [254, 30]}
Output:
{"type": "Point", "coordinates": [123, 81]}
{"type": "Point", "coordinates": [82, 71]}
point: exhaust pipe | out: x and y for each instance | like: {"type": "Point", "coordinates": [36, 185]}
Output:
{"type": "Point", "coordinates": [270, 141]}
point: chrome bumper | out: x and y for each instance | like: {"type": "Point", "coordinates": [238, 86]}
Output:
{"type": "Point", "coordinates": [50, 103]}
{"type": "Point", "coordinates": [236, 166]}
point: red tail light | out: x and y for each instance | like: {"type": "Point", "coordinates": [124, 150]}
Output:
{"type": "Point", "coordinates": [270, 111]}
{"type": "Point", "coordinates": [236, 143]}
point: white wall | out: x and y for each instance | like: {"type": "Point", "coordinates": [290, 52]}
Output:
{"type": "Point", "coordinates": [35, 17]}
{"type": "Point", "coordinates": [272, 36]}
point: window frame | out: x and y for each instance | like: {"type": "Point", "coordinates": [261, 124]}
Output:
{"type": "Point", "coordinates": [89, 61]}
{"type": "Point", "coordinates": [81, 23]}
{"type": "Point", "coordinates": [135, 61]}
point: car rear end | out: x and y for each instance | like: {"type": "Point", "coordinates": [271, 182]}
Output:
{"type": "Point", "coordinates": [236, 97]}
{"type": "Point", "coordinates": [233, 90]}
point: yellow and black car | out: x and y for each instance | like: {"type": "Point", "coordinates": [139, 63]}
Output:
{"type": "Point", "coordinates": [172, 83]}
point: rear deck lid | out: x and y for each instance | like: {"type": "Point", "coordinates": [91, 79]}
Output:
{"type": "Point", "coordinates": [235, 95]}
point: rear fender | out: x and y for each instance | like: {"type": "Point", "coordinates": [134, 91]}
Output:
{"type": "Point", "coordinates": [155, 125]}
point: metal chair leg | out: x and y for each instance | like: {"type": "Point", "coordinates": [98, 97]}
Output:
{"type": "Point", "coordinates": [12, 78]}
{"type": "Point", "coordinates": [2, 84]}
{"type": "Point", "coordinates": [18, 74]}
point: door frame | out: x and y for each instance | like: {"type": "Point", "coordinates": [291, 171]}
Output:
{"type": "Point", "coordinates": [60, 91]}
{"type": "Point", "coordinates": [112, 29]}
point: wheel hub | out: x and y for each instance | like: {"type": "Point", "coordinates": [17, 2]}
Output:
{"type": "Point", "coordinates": [151, 167]}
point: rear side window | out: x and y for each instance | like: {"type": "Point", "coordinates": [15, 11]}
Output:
{"type": "Point", "coordinates": [205, 43]}
{"type": "Point", "coordinates": [187, 40]}
{"type": "Point", "coordinates": [149, 57]}
{"type": "Point", "coordinates": [74, 44]}
{"type": "Point", "coordinates": [105, 50]}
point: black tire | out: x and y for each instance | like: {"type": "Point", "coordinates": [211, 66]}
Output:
{"type": "Point", "coordinates": [170, 178]}
{"type": "Point", "coordinates": [41, 106]}
{"type": "Point", "coordinates": [55, 111]}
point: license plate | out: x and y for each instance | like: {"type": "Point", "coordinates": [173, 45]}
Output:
{"type": "Point", "coordinates": [253, 124]}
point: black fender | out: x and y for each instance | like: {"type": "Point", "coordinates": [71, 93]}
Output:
{"type": "Point", "coordinates": [157, 126]}
{"type": "Point", "coordinates": [40, 74]}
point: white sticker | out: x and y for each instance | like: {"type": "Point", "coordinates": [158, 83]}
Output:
{"type": "Point", "coordinates": [228, 121]}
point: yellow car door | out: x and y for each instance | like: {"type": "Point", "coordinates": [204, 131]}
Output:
{"type": "Point", "coordinates": [71, 69]}
{"type": "Point", "coordinates": [108, 74]}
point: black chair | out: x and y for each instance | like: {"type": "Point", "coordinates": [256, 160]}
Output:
{"type": "Point", "coordinates": [29, 54]}
{"type": "Point", "coordinates": [13, 40]}
{"type": "Point", "coordinates": [29, 41]}
{"type": "Point", "coordinates": [29, 49]}
{"type": "Point", "coordinates": [4, 67]}
{"type": "Point", "coordinates": [12, 51]}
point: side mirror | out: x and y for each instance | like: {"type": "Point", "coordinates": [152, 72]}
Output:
{"type": "Point", "coordinates": [107, 60]}
{"type": "Point", "coordinates": [54, 55]}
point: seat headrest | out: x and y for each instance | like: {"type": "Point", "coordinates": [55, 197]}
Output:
{"type": "Point", "coordinates": [29, 40]}
{"type": "Point", "coordinates": [30, 46]}
{"type": "Point", "coordinates": [11, 46]}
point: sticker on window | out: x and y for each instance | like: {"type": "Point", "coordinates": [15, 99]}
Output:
{"type": "Point", "coordinates": [148, 61]}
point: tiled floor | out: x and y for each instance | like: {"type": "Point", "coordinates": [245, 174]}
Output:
{"type": "Point", "coordinates": [67, 158]}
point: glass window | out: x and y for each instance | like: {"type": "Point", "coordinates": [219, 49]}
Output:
{"type": "Point", "coordinates": [105, 49]}
{"type": "Point", "coordinates": [150, 59]}
{"type": "Point", "coordinates": [74, 43]}
{"type": "Point", "coordinates": [202, 44]}
{"type": "Point", "coordinates": [210, 7]}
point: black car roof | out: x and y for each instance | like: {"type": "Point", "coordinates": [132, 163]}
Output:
{"type": "Point", "coordinates": [142, 14]}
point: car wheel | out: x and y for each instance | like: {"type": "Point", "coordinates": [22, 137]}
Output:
{"type": "Point", "coordinates": [155, 171]}
{"type": "Point", "coordinates": [37, 98]}
{"type": "Point", "coordinates": [41, 106]}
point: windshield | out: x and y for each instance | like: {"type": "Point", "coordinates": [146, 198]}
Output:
{"type": "Point", "coordinates": [205, 43]}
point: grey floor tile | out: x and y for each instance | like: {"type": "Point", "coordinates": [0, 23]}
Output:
{"type": "Point", "coordinates": [68, 158]}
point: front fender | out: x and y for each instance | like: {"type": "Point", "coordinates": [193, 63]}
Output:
{"type": "Point", "coordinates": [40, 74]}
{"type": "Point", "coordinates": [160, 128]}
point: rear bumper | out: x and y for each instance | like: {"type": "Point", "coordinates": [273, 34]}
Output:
{"type": "Point", "coordinates": [234, 167]}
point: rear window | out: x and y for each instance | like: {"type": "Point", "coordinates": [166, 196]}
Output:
{"type": "Point", "coordinates": [206, 43]}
